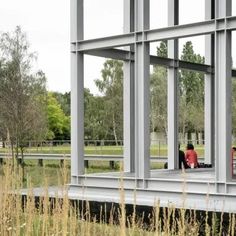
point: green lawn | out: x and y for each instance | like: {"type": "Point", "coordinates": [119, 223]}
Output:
{"type": "Point", "coordinates": [51, 168]}
{"type": "Point", "coordinates": [155, 150]}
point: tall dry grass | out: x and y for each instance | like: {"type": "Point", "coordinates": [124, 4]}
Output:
{"type": "Point", "coordinates": [60, 216]}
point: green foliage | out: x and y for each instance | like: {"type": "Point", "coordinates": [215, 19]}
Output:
{"type": "Point", "coordinates": [111, 86]}
{"type": "Point", "coordinates": [158, 94]}
{"type": "Point", "coordinates": [58, 122]}
{"type": "Point", "coordinates": [64, 101]}
{"type": "Point", "coordinates": [162, 49]}
{"type": "Point", "coordinates": [191, 93]}
{"type": "Point", "coordinates": [95, 113]}
{"type": "Point", "coordinates": [191, 83]}
{"type": "Point", "coordinates": [191, 86]}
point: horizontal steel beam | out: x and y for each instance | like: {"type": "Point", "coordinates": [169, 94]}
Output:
{"type": "Point", "coordinates": [196, 67]}
{"type": "Point", "coordinates": [167, 192]}
{"type": "Point", "coordinates": [154, 60]}
{"type": "Point", "coordinates": [194, 195]}
{"type": "Point", "coordinates": [116, 54]}
{"type": "Point", "coordinates": [193, 29]}
{"type": "Point", "coordinates": [124, 55]}
{"type": "Point", "coordinates": [168, 62]}
{"type": "Point", "coordinates": [106, 42]}
{"type": "Point", "coordinates": [180, 31]}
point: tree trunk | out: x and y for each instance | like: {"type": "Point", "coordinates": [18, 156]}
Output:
{"type": "Point", "coordinates": [22, 163]}
{"type": "Point", "coordinates": [114, 129]}
{"type": "Point", "coordinates": [189, 137]}
{"type": "Point", "coordinates": [183, 134]}
{"type": "Point", "coordinates": [197, 137]}
{"type": "Point", "coordinates": [112, 163]}
{"type": "Point", "coordinates": [18, 160]}
{"type": "Point", "coordinates": [12, 152]}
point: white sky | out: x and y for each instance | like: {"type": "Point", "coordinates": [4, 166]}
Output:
{"type": "Point", "coordinates": [46, 23]}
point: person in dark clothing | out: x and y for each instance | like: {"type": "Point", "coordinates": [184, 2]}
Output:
{"type": "Point", "coordinates": [182, 161]}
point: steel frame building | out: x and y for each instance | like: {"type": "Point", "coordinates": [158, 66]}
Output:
{"type": "Point", "coordinates": [167, 185]}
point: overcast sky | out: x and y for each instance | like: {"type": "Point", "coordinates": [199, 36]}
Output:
{"type": "Point", "coordinates": [46, 23]}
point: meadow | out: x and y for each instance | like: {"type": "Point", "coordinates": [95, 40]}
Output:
{"type": "Point", "coordinates": [59, 216]}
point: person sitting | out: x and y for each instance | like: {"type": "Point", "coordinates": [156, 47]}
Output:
{"type": "Point", "coordinates": [191, 156]}
{"type": "Point", "coordinates": [182, 161]}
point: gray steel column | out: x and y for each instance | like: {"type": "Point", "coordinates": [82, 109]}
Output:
{"type": "Point", "coordinates": [223, 65]}
{"type": "Point", "coordinates": [142, 106]}
{"type": "Point", "coordinates": [173, 19]}
{"type": "Point", "coordinates": [128, 93]}
{"type": "Point", "coordinates": [77, 92]}
{"type": "Point", "coordinates": [209, 89]}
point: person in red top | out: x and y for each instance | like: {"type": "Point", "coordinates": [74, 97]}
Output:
{"type": "Point", "coordinates": [191, 156]}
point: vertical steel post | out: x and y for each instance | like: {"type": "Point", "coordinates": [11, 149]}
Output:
{"type": "Point", "coordinates": [142, 106]}
{"type": "Point", "coordinates": [223, 64]}
{"type": "Point", "coordinates": [128, 93]}
{"type": "Point", "coordinates": [209, 89]}
{"type": "Point", "coordinates": [173, 19]}
{"type": "Point", "coordinates": [77, 92]}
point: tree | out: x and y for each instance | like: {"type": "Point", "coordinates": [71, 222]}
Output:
{"type": "Point", "coordinates": [95, 116]}
{"type": "Point", "coordinates": [64, 101]}
{"type": "Point", "coordinates": [111, 85]}
{"type": "Point", "coordinates": [58, 122]}
{"type": "Point", "coordinates": [191, 94]}
{"type": "Point", "coordinates": [191, 85]}
{"type": "Point", "coordinates": [158, 94]}
{"type": "Point", "coordinates": [22, 93]}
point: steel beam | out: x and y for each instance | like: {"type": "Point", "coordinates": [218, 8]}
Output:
{"type": "Point", "coordinates": [106, 42]}
{"type": "Point", "coordinates": [77, 92]}
{"type": "Point", "coordinates": [142, 106]}
{"type": "Point", "coordinates": [207, 69]}
{"type": "Point", "coordinates": [168, 190]}
{"type": "Point", "coordinates": [172, 90]}
{"type": "Point", "coordinates": [128, 93]}
{"type": "Point", "coordinates": [168, 62]}
{"type": "Point", "coordinates": [174, 32]}
{"type": "Point", "coordinates": [181, 31]}
{"type": "Point", "coordinates": [209, 88]}
{"type": "Point", "coordinates": [126, 55]}
{"type": "Point", "coordinates": [116, 54]}
{"type": "Point", "coordinates": [223, 75]}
